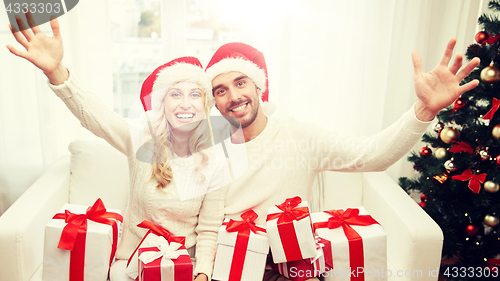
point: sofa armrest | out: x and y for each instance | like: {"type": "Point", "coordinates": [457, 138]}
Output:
{"type": "Point", "coordinates": [414, 240]}
{"type": "Point", "coordinates": [22, 226]}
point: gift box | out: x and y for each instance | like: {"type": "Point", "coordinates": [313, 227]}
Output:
{"type": "Point", "coordinates": [242, 249]}
{"type": "Point", "coordinates": [80, 243]}
{"type": "Point", "coordinates": [359, 244]}
{"type": "Point", "coordinates": [289, 230]}
{"type": "Point", "coordinates": [308, 268]}
{"type": "Point", "coordinates": [166, 262]}
{"type": "Point", "coordinates": [150, 239]}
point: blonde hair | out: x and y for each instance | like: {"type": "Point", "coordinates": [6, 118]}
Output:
{"type": "Point", "coordinates": [161, 130]}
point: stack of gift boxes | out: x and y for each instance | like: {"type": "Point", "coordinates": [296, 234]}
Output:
{"type": "Point", "coordinates": [346, 244]}
{"type": "Point", "coordinates": [339, 244]}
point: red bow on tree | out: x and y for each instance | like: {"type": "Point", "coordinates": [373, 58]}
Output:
{"type": "Point", "coordinates": [474, 180]}
{"type": "Point", "coordinates": [494, 264]}
{"type": "Point", "coordinates": [492, 39]}
{"type": "Point", "coordinates": [461, 146]}
{"type": "Point", "coordinates": [494, 107]}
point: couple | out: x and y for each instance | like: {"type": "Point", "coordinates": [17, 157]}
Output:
{"type": "Point", "coordinates": [237, 77]}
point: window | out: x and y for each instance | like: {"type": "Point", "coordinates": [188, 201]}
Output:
{"type": "Point", "coordinates": [138, 47]}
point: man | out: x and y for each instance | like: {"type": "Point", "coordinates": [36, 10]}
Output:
{"type": "Point", "coordinates": [280, 167]}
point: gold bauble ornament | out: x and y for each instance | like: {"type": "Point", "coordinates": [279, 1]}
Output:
{"type": "Point", "coordinates": [490, 74]}
{"type": "Point", "coordinates": [441, 153]}
{"type": "Point", "coordinates": [495, 132]}
{"type": "Point", "coordinates": [490, 220]}
{"type": "Point", "coordinates": [448, 134]}
{"type": "Point", "coordinates": [491, 186]}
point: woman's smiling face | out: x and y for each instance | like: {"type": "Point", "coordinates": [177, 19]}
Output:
{"type": "Point", "coordinates": [184, 106]}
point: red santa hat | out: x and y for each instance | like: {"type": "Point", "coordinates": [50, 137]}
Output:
{"type": "Point", "coordinates": [247, 60]}
{"type": "Point", "coordinates": [177, 70]}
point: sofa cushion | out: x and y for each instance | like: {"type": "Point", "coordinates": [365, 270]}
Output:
{"type": "Point", "coordinates": [98, 171]}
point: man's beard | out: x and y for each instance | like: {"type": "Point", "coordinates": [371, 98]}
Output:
{"type": "Point", "coordinates": [235, 122]}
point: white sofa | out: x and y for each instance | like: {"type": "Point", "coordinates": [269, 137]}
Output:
{"type": "Point", "coordinates": [95, 170]}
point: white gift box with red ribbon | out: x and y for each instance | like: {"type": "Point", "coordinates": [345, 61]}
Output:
{"type": "Point", "coordinates": [150, 239]}
{"type": "Point", "coordinates": [242, 249]}
{"type": "Point", "coordinates": [91, 252]}
{"type": "Point", "coordinates": [359, 244]}
{"type": "Point", "coordinates": [164, 262]}
{"type": "Point", "coordinates": [290, 232]}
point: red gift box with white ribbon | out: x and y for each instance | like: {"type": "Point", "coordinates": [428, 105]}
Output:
{"type": "Point", "coordinates": [242, 249]}
{"type": "Point", "coordinates": [165, 262]}
{"type": "Point", "coordinates": [80, 243]}
{"type": "Point", "coordinates": [359, 244]}
{"type": "Point", "coordinates": [290, 232]}
{"type": "Point", "coordinates": [150, 239]}
{"type": "Point", "coordinates": [308, 268]}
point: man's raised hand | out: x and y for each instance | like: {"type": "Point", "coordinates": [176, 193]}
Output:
{"type": "Point", "coordinates": [440, 87]}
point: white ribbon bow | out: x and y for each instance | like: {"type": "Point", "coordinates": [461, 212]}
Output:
{"type": "Point", "coordinates": [167, 251]}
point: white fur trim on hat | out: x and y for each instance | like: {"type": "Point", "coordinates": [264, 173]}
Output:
{"type": "Point", "coordinates": [242, 65]}
{"type": "Point", "coordinates": [182, 72]}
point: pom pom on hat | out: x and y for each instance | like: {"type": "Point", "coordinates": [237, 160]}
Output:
{"type": "Point", "coordinates": [177, 70]}
{"type": "Point", "coordinates": [247, 60]}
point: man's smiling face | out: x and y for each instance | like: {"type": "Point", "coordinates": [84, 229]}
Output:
{"type": "Point", "coordinates": [236, 96]}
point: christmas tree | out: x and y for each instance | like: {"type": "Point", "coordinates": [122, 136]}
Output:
{"type": "Point", "coordinates": [459, 169]}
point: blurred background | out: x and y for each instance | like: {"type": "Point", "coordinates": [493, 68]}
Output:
{"type": "Point", "coordinates": [345, 65]}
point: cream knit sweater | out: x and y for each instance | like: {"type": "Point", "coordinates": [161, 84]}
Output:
{"type": "Point", "coordinates": [283, 160]}
{"type": "Point", "coordinates": [198, 219]}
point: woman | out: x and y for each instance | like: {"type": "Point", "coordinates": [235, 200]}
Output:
{"type": "Point", "coordinates": [176, 97]}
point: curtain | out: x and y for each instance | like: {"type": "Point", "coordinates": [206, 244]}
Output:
{"type": "Point", "coordinates": [344, 65]}
{"type": "Point", "coordinates": [35, 126]}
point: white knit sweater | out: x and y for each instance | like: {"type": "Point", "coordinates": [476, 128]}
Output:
{"type": "Point", "coordinates": [284, 159]}
{"type": "Point", "coordinates": [198, 219]}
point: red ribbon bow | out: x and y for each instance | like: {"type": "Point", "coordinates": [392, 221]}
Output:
{"type": "Point", "coordinates": [474, 180]}
{"type": "Point", "coordinates": [290, 211]}
{"type": "Point", "coordinates": [74, 235]}
{"type": "Point", "coordinates": [346, 219]}
{"type": "Point", "coordinates": [158, 230]}
{"type": "Point", "coordinates": [286, 228]}
{"type": "Point", "coordinates": [493, 264]}
{"type": "Point", "coordinates": [461, 146]}
{"type": "Point", "coordinates": [248, 223]}
{"type": "Point", "coordinates": [491, 39]}
{"type": "Point", "coordinates": [495, 104]}
{"type": "Point", "coordinates": [240, 248]}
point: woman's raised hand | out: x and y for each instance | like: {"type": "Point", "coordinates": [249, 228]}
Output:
{"type": "Point", "coordinates": [43, 51]}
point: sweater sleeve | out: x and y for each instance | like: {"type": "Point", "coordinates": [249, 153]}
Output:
{"type": "Point", "coordinates": [363, 154]}
{"type": "Point", "coordinates": [210, 219]}
{"type": "Point", "coordinates": [94, 115]}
